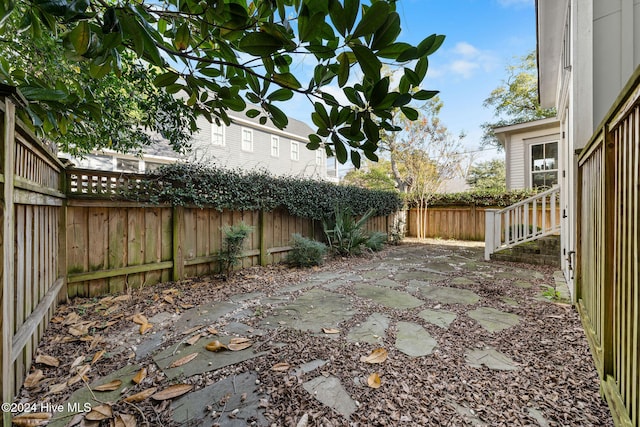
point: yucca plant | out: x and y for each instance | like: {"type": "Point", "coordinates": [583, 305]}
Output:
{"type": "Point", "coordinates": [346, 236]}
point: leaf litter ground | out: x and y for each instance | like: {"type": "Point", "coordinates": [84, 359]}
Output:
{"type": "Point", "coordinates": [550, 377]}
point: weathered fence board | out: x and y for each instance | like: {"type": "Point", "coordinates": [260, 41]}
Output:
{"type": "Point", "coordinates": [31, 212]}
{"type": "Point", "coordinates": [608, 286]}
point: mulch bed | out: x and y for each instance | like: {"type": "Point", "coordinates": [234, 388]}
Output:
{"type": "Point", "coordinates": [556, 374]}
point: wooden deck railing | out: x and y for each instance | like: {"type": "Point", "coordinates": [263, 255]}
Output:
{"type": "Point", "coordinates": [533, 218]}
{"type": "Point", "coordinates": [608, 273]}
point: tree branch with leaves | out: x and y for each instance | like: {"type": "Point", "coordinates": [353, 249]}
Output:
{"type": "Point", "coordinates": [215, 55]}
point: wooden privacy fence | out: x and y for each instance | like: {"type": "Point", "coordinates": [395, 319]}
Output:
{"type": "Point", "coordinates": [460, 222]}
{"type": "Point", "coordinates": [607, 276]}
{"type": "Point", "coordinates": [33, 269]}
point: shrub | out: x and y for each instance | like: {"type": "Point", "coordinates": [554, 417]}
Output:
{"type": "Point", "coordinates": [345, 235]}
{"type": "Point", "coordinates": [376, 241]}
{"type": "Point", "coordinates": [234, 238]}
{"type": "Point", "coordinates": [476, 198]}
{"type": "Point", "coordinates": [306, 252]}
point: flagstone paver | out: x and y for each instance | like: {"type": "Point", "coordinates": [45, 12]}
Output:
{"type": "Point", "coordinates": [206, 360]}
{"type": "Point", "coordinates": [447, 295]}
{"type": "Point", "coordinates": [491, 358]}
{"type": "Point", "coordinates": [441, 318]}
{"type": "Point", "coordinates": [413, 340]}
{"type": "Point", "coordinates": [373, 330]}
{"type": "Point", "coordinates": [215, 404]}
{"type": "Point", "coordinates": [330, 392]}
{"type": "Point", "coordinates": [388, 297]}
{"type": "Point", "coordinates": [312, 311]}
{"type": "Point", "coordinates": [493, 320]}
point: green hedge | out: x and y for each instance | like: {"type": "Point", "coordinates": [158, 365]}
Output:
{"type": "Point", "coordinates": [477, 198]}
{"type": "Point", "coordinates": [198, 185]}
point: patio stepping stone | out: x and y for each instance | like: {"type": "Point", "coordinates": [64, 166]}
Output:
{"type": "Point", "coordinates": [536, 414]}
{"type": "Point", "coordinates": [462, 281]}
{"type": "Point", "coordinates": [388, 283]}
{"type": "Point", "coordinates": [469, 415]}
{"type": "Point", "coordinates": [521, 274]}
{"type": "Point", "coordinates": [206, 360]}
{"type": "Point", "coordinates": [491, 358]}
{"type": "Point", "coordinates": [448, 295]}
{"type": "Point", "coordinates": [510, 301]}
{"type": "Point", "coordinates": [330, 392]}
{"type": "Point", "coordinates": [205, 314]}
{"type": "Point", "coordinates": [522, 284]}
{"type": "Point", "coordinates": [388, 297]}
{"type": "Point", "coordinates": [372, 331]}
{"type": "Point", "coordinates": [312, 311]}
{"type": "Point", "coordinates": [375, 274]}
{"type": "Point", "coordinates": [237, 392]}
{"type": "Point", "coordinates": [441, 318]}
{"type": "Point", "coordinates": [305, 368]}
{"type": "Point", "coordinates": [413, 340]}
{"type": "Point", "coordinates": [84, 396]}
{"type": "Point", "coordinates": [419, 275]}
{"type": "Point", "coordinates": [494, 320]}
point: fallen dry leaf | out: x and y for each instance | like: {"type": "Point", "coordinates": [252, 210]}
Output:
{"type": "Point", "coordinates": [374, 380]}
{"type": "Point", "coordinates": [31, 419]}
{"type": "Point", "coordinates": [186, 306]}
{"type": "Point", "coordinates": [172, 391]}
{"type": "Point", "coordinates": [33, 379]}
{"type": "Point", "coordinates": [171, 291]}
{"type": "Point", "coordinates": [71, 318]}
{"type": "Point", "coordinates": [184, 360]}
{"type": "Point", "coordinates": [212, 330]}
{"type": "Point", "coordinates": [281, 367]}
{"type": "Point", "coordinates": [110, 386]}
{"type": "Point", "coordinates": [58, 388]}
{"type": "Point", "coordinates": [194, 339]}
{"type": "Point", "coordinates": [145, 327]}
{"type": "Point", "coordinates": [79, 329]}
{"type": "Point", "coordinates": [139, 397]}
{"type": "Point", "coordinates": [47, 360]}
{"type": "Point", "coordinates": [77, 362]}
{"type": "Point", "coordinates": [97, 356]}
{"type": "Point", "coordinates": [378, 355]}
{"type": "Point", "coordinates": [330, 331]}
{"type": "Point", "coordinates": [191, 330]}
{"type": "Point", "coordinates": [140, 319]}
{"type": "Point", "coordinates": [140, 376]}
{"type": "Point", "coordinates": [215, 346]}
{"type": "Point", "coordinates": [99, 413]}
{"type": "Point", "coordinates": [125, 420]}
{"type": "Point", "coordinates": [124, 297]}
{"type": "Point", "coordinates": [237, 344]}
{"type": "Point", "coordinates": [169, 299]}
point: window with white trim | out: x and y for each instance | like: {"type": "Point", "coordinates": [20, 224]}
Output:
{"type": "Point", "coordinates": [544, 165]}
{"type": "Point", "coordinates": [295, 150]}
{"type": "Point", "coordinates": [247, 139]}
{"type": "Point", "coordinates": [217, 134]}
{"type": "Point", "coordinates": [275, 146]}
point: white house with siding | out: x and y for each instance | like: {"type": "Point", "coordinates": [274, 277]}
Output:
{"type": "Point", "coordinates": [244, 144]}
{"type": "Point", "coordinates": [587, 50]}
{"type": "Point", "coordinates": [531, 153]}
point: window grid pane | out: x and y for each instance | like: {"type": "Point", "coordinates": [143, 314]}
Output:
{"type": "Point", "coordinates": [247, 140]}
{"type": "Point", "coordinates": [295, 148]}
{"type": "Point", "coordinates": [275, 146]}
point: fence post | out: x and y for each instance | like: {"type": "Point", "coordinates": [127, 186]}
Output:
{"type": "Point", "coordinates": [262, 239]}
{"type": "Point", "coordinates": [8, 253]}
{"type": "Point", "coordinates": [489, 232]}
{"type": "Point", "coordinates": [177, 242]}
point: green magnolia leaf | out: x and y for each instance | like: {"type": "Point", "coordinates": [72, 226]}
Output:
{"type": "Point", "coordinates": [351, 8]}
{"type": "Point", "coordinates": [260, 44]}
{"type": "Point", "coordinates": [355, 159]}
{"type": "Point", "coordinates": [287, 80]}
{"type": "Point", "coordinates": [341, 151]}
{"type": "Point", "coordinates": [278, 117]}
{"type": "Point", "coordinates": [53, 7]}
{"type": "Point", "coordinates": [423, 95]}
{"type": "Point", "coordinates": [43, 94]}
{"type": "Point", "coordinates": [371, 155]}
{"type": "Point", "coordinates": [408, 54]}
{"type": "Point", "coordinates": [379, 92]}
{"type": "Point", "coordinates": [393, 50]}
{"type": "Point", "coordinates": [410, 113]}
{"type": "Point", "coordinates": [310, 27]}
{"type": "Point", "coordinates": [343, 69]}
{"type": "Point", "coordinates": [430, 44]}
{"type": "Point", "coordinates": [80, 37]}
{"type": "Point", "coordinates": [369, 63]}
{"type": "Point", "coordinates": [338, 17]}
{"type": "Point", "coordinates": [372, 19]}
{"type": "Point", "coordinates": [280, 95]}
{"type": "Point", "coordinates": [165, 79]}
{"type": "Point", "coordinates": [371, 130]}
{"type": "Point", "coordinates": [182, 38]}
{"type": "Point", "coordinates": [387, 33]}
{"type": "Point", "coordinates": [253, 113]}
{"type": "Point", "coordinates": [421, 67]}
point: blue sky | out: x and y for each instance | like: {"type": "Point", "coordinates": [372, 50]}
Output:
{"type": "Point", "coordinates": [482, 38]}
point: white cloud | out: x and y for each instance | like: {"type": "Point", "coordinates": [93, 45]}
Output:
{"type": "Point", "coordinates": [464, 68]}
{"type": "Point", "coordinates": [465, 60]}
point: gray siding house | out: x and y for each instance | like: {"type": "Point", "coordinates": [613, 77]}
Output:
{"type": "Point", "coordinates": [244, 144]}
